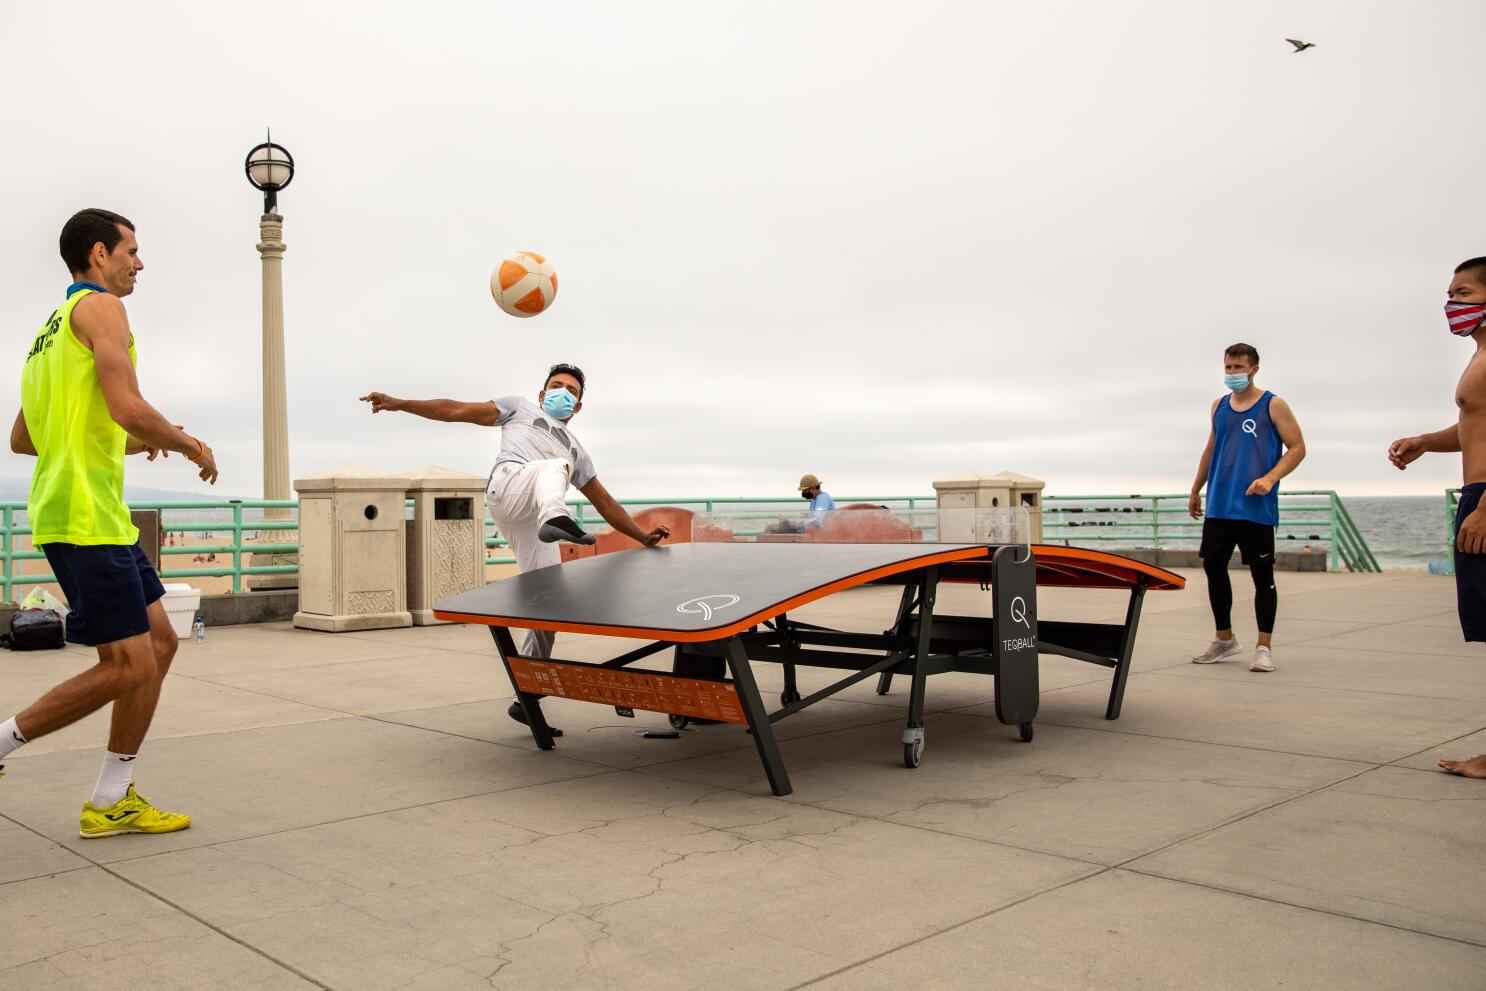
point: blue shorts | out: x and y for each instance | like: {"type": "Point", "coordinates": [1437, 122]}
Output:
{"type": "Point", "coordinates": [1470, 572]}
{"type": "Point", "coordinates": [108, 588]}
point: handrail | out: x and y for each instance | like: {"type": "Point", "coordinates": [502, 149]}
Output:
{"type": "Point", "coordinates": [1317, 516]}
{"type": "Point", "coordinates": [10, 554]}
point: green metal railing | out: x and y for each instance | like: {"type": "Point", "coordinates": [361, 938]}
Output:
{"type": "Point", "coordinates": [12, 555]}
{"type": "Point", "coordinates": [1452, 506]}
{"type": "Point", "coordinates": [1316, 517]}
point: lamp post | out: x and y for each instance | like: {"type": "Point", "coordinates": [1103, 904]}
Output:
{"type": "Point", "coordinates": [270, 168]}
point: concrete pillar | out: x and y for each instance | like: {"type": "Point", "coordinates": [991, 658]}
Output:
{"type": "Point", "coordinates": [975, 505]}
{"type": "Point", "coordinates": [275, 397]}
{"type": "Point", "coordinates": [275, 405]}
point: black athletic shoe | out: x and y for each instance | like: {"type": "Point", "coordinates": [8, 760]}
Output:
{"type": "Point", "coordinates": [563, 528]}
{"type": "Point", "coordinates": [519, 714]}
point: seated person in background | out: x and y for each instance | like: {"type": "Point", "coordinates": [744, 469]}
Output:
{"type": "Point", "coordinates": [820, 504]}
{"type": "Point", "coordinates": [820, 501]}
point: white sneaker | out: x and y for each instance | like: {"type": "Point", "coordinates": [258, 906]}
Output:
{"type": "Point", "coordinates": [1263, 660]}
{"type": "Point", "coordinates": [1216, 651]}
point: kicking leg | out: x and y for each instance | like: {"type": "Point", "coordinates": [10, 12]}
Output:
{"type": "Point", "coordinates": [517, 515]}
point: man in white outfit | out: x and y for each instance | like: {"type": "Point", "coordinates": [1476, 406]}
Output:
{"type": "Point", "coordinates": [539, 458]}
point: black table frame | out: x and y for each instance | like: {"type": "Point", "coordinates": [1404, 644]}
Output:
{"type": "Point", "coordinates": [918, 645]}
{"type": "Point", "coordinates": [1110, 645]}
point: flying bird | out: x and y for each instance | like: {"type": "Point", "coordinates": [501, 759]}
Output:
{"type": "Point", "coordinates": [1300, 46]}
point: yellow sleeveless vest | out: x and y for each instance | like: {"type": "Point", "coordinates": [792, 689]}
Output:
{"type": "Point", "coordinates": [77, 489]}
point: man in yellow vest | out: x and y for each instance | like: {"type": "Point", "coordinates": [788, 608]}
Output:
{"type": "Point", "coordinates": [81, 413]}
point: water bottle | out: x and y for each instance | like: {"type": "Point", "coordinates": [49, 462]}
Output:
{"type": "Point", "coordinates": [198, 629]}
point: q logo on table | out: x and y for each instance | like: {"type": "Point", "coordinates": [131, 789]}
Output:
{"type": "Point", "coordinates": [1019, 611]}
{"type": "Point", "coordinates": [707, 604]}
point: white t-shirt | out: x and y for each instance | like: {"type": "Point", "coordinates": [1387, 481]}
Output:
{"type": "Point", "coordinates": [529, 434]}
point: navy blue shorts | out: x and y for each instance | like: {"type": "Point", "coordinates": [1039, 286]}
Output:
{"type": "Point", "coordinates": [1470, 571]}
{"type": "Point", "coordinates": [108, 587]}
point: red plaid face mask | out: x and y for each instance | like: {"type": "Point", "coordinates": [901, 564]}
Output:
{"type": "Point", "coordinates": [1464, 317]}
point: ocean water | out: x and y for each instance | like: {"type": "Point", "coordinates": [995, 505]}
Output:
{"type": "Point", "coordinates": [1403, 531]}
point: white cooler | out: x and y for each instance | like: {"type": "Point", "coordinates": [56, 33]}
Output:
{"type": "Point", "coordinates": [182, 603]}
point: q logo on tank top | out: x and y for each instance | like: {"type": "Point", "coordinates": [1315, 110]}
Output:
{"type": "Point", "coordinates": [1251, 428]}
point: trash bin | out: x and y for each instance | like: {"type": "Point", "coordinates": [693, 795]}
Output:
{"type": "Point", "coordinates": [984, 490]}
{"type": "Point", "coordinates": [352, 551]}
{"type": "Point", "coordinates": [445, 538]}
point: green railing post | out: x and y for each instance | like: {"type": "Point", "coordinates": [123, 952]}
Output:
{"type": "Point", "coordinates": [9, 521]}
{"type": "Point", "coordinates": [237, 546]}
{"type": "Point", "coordinates": [1452, 506]}
{"type": "Point", "coordinates": [1155, 522]}
{"type": "Point", "coordinates": [9, 546]}
{"type": "Point", "coordinates": [1335, 550]}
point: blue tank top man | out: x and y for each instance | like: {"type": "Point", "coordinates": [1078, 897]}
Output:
{"type": "Point", "coordinates": [1254, 442]}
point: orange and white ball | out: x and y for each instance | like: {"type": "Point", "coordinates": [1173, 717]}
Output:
{"type": "Point", "coordinates": [524, 284]}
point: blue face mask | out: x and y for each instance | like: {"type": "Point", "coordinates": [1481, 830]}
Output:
{"type": "Point", "coordinates": [559, 403]}
{"type": "Point", "coordinates": [1238, 383]}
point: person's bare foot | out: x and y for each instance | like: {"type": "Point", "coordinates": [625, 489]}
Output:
{"type": "Point", "coordinates": [1473, 768]}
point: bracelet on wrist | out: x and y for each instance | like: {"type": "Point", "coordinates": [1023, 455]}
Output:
{"type": "Point", "coordinates": [200, 451]}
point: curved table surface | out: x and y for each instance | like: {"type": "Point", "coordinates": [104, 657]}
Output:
{"type": "Point", "coordinates": [1083, 567]}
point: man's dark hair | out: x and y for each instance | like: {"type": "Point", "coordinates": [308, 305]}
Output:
{"type": "Point", "coordinates": [87, 228]}
{"type": "Point", "coordinates": [1243, 351]}
{"type": "Point", "coordinates": [1473, 266]}
{"type": "Point", "coordinates": [572, 370]}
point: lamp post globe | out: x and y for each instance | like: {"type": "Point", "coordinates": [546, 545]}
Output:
{"type": "Point", "coordinates": [269, 167]}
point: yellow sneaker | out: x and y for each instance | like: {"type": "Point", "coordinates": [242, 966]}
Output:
{"type": "Point", "coordinates": [131, 814]}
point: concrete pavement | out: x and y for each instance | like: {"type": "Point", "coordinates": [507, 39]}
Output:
{"type": "Point", "coordinates": [366, 817]}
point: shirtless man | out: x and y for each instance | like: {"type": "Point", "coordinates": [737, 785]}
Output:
{"type": "Point", "coordinates": [1465, 309]}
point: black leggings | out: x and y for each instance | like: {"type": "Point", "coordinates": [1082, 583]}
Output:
{"type": "Point", "coordinates": [1220, 593]}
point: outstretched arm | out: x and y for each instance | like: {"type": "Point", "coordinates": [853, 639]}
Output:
{"type": "Point", "coordinates": [485, 414]}
{"type": "Point", "coordinates": [1288, 428]}
{"type": "Point", "coordinates": [616, 516]}
{"type": "Point", "coordinates": [1407, 450]}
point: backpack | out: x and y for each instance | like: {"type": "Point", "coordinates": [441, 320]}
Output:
{"type": "Point", "coordinates": [34, 629]}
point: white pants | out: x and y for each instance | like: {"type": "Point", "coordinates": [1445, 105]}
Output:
{"type": "Point", "coordinates": [520, 498]}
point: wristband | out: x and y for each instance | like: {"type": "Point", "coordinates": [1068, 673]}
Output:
{"type": "Point", "coordinates": [200, 451]}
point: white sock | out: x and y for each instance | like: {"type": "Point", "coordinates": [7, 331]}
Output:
{"type": "Point", "coordinates": [113, 780]}
{"type": "Point", "coordinates": [10, 738]}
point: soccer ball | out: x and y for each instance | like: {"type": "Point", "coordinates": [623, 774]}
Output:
{"type": "Point", "coordinates": [524, 284]}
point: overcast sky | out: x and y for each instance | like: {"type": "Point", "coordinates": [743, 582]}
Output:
{"type": "Point", "coordinates": [880, 242]}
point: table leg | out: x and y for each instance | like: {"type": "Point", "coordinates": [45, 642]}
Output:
{"type": "Point", "coordinates": [530, 704]}
{"type": "Point", "coordinates": [905, 609]}
{"type": "Point", "coordinates": [1127, 650]}
{"type": "Point", "coordinates": [913, 733]}
{"type": "Point", "coordinates": [758, 717]}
